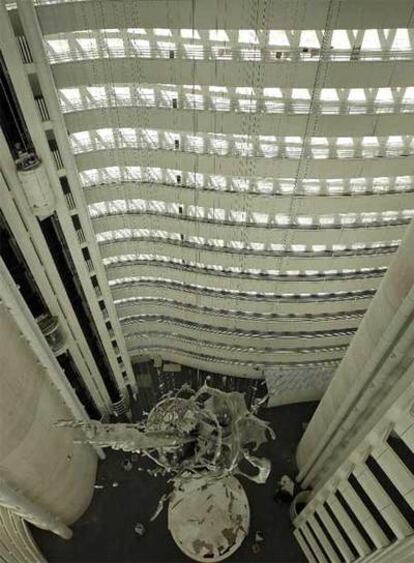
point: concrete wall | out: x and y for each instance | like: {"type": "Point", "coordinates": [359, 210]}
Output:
{"type": "Point", "coordinates": [35, 457]}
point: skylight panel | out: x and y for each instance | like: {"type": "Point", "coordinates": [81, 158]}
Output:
{"type": "Point", "coordinates": [152, 139]}
{"type": "Point", "coordinates": [106, 134]}
{"type": "Point", "coordinates": [72, 94]}
{"type": "Point", "coordinates": [195, 143]}
{"type": "Point", "coordinates": [162, 32]}
{"type": "Point", "coordinates": [273, 92]}
{"type": "Point", "coordinates": [219, 182]}
{"type": "Point", "coordinates": [269, 151]}
{"type": "Point", "coordinates": [81, 138]}
{"type": "Point", "coordinates": [278, 37]}
{"type": "Point", "coordinates": [244, 148]}
{"type": "Point", "coordinates": [260, 217]}
{"type": "Point", "coordinates": [369, 141]}
{"type": "Point", "coordinates": [237, 216]}
{"type": "Point", "coordinates": [349, 219]}
{"type": "Point", "coordinates": [122, 93]}
{"type": "Point", "coordinates": [251, 54]}
{"type": "Point", "coordinates": [115, 45]}
{"type": "Point", "coordinates": [241, 184]}
{"type": "Point", "coordinates": [142, 47]}
{"type": "Point", "coordinates": [195, 101]}
{"type": "Point", "coordinates": [371, 41]}
{"type": "Point", "coordinates": [314, 189]}
{"type": "Point", "coordinates": [247, 105]}
{"type": "Point", "coordinates": [327, 220]}
{"type": "Point", "coordinates": [248, 36]}
{"type": "Point", "coordinates": [136, 30]}
{"type": "Point", "coordinates": [195, 179]}
{"type": "Point", "coordinates": [320, 153]}
{"type": "Point", "coordinates": [194, 51]}
{"type": "Point", "coordinates": [166, 47]}
{"type": "Point", "coordinates": [218, 35]}
{"type": "Point", "coordinates": [58, 46]}
{"type": "Point", "coordinates": [401, 40]}
{"type": "Point", "coordinates": [265, 186]}
{"type": "Point", "coordinates": [357, 95]}
{"type": "Point", "coordinates": [87, 43]}
{"type": "Point", "coordinates": [340, 39]}
{"type": "Point", "coordinates": [195, 211]}
{"type": "Point", "coordinates": [96, 92]}
{"type": "Point", "coordinates": [220, 103]}
{"type": "Point", "coordinates": [287, 188]}
{"type": "Point", "coordinates": [301, 94]}
{"type": "Point", "coordinates": [309, 38]}
{"type": "Point", "coordinates": [282, 219]}
{"type": "Point", "coordinates": [245, 90]}
{"type": "Point", "coordinates": [395, 141]}
{"type": "Point", "coordinates": [216, 89]}
{"type": "Point", "coordinates": [222, 53]}
{"type": "Point", "coordinates": [329, 95]}
{"type": "Point", "coordinates": [189, 34]}
{"type": "Point", "coordinates": [168, 96]}
{"type": "Point", "coordinates": [129, 136]}
{"type": "Point", "coordinates": [147, 94]}
{"type": "Point", "coordinates": [408, 95]}
{"type": "Point", "coordinates": [219, 145]}
{"type": "Point", "coordinates": [384, 95]}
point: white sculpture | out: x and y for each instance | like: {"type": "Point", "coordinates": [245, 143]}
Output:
{"type": "Point", "coordinates": [199, 439]}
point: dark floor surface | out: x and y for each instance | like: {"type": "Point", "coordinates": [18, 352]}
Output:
{"type": "Point", "coordinates": [105, 533]}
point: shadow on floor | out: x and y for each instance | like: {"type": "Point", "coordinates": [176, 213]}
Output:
{"type": "Point", "coordinates": [105, 533]}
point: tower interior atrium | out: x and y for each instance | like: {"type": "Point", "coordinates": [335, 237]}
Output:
{"type": "Point", "coordinates": [207, 281]}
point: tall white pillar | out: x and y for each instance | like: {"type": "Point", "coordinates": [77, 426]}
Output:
{"type": "Point", "coordinates": [44, 476]}
{"type": "Point", "coordinates": [372, 375]}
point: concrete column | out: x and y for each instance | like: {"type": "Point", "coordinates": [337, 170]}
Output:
{"type": "Point", "coordinates": [31, 511]}
{"type": "Point", "coordinates": [42, 471]}
{"type": "Point", "coordinates": [372, 375]}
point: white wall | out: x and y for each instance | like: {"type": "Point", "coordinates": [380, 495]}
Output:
{"type": "Point", "coordinates": [37, 458]}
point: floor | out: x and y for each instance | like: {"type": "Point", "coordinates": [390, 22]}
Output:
{"type": "Point", "coordinates": [106, 531]}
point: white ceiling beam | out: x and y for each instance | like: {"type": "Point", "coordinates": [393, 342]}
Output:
{"type": "Point", "coordinates": [238, 166]}
{"type": "Point", "coordinates": [341, 74]}
{"type": "Point", "coordinates": [234, 123]}
{"type": "Point", "coordinates": [223, 14]}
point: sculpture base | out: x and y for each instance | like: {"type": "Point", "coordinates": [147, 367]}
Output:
{"type": "Point", "coordinates": [209, 519]}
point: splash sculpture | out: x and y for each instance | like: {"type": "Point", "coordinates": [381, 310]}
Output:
{"type": "Point", "coordinates": [201, 440]}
